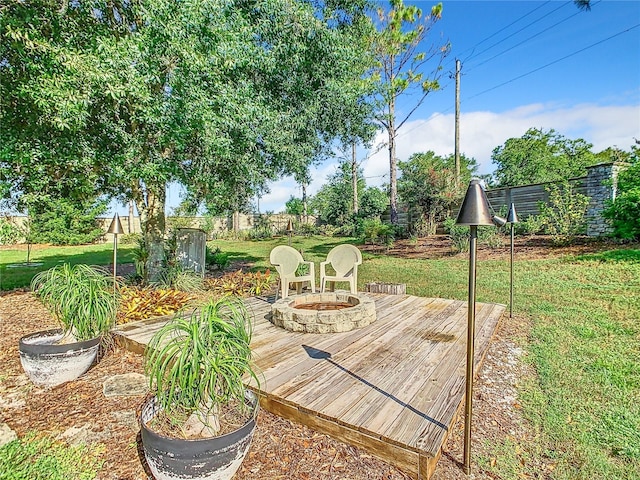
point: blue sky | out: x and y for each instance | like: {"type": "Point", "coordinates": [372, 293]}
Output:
{"type": "Point", "coordinates": [543, 64]}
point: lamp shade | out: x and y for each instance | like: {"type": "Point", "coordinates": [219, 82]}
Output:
{"type": "Point", "coordinates": [475, 207]}
{"type": "Point", "coordinates": [512, 216]}
{"type": "Point", "coordinates": [116, 226]}
{"type": "Point", "coordinates": [290, 226]}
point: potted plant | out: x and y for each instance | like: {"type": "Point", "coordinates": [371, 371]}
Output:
{"type": "Point", "coordinates": [82, 299]}
{"type": "Point", "coordinates": [200, 419]}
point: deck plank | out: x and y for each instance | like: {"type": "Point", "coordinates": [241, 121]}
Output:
{"type": "Point", "coordinates": [393, 387]}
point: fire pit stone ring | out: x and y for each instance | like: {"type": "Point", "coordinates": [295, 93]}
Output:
{"type": "Point", "coordinates": [329, 312]}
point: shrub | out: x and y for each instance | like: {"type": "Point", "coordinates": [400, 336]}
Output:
{"type": "Point", "coordinates": [130, 238]}
{"type": "Point", "coordinates": [217, 259]}
{"type": "Point", "coordinates": [308, 229]}
{"type": "Point", "coordinates": [262, 228]}
{"type": "Point", "coordinates": [63, 221]}
{"type": "Point", "coordinates": [564, 215]}
{"type": "Point", "coordinates": [459, 234]}
{"type": "Point", "coordinates": [377, 232]}
{"type": "Point", "coordinates": [531, 225]}
{"type": "Point", "coordinates": [624, 211]}
{"type": "Point", "coordinates": [179, 278]}
{"type": "Point", "coordinates": [241, 284]}
{"type": "Point", "coordinates": [139, 303]}
{"type": "Point", "coordinates": [9, 232]}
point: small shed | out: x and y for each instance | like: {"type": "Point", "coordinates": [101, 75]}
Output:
{"type": "Point", "coordinates": [192, 249]}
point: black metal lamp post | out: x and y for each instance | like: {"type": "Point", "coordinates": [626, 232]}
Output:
{"type": "Point", "coordinates": [512, 218]}
{"type": "Point", "coordinates": [115, 228]}
{"type": "Point", "coordinates": [475, 211]}
{"type": "Point", "coordinates": [290, 230]}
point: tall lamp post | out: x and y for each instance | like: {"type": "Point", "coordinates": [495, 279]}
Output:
{"type": "Point", "coordinates": [512, 218]}
{"type": "Point", "coordinates": [474, 211]}
{"type": "Point", "coordinates": [115, 228]}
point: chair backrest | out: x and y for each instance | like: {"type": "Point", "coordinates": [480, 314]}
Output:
{"type": "Point", "coordinates": [343, 258]}
{"type": "Point", "coordinates": [285, 259]}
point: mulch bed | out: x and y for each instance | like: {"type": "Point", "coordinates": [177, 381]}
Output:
{"type": "Point", "coordinates": [78, 410]}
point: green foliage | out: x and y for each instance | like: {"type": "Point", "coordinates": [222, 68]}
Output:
{"type": "Point", "coordinates": [129, 239]}
{"type": "Point", "coordinates": [294, 206]}
{"type": "Point", "coordinates": [80, 297]}
{"type": "Point", "coordinates": [9, 232]}
{"type": "Point", "coordinates": [261, 229]}
{"type": "Point", "coordinates": [428, 184]}
{"type": "Point", "coordinates": [62, 221]}
{"type": "Point", "coordinates": [221, 97]}
{"type": "Point", "coordinates": [178, 278]}
{"type": "Point", "coordinates": [307, 229]}
{"type": "Point", "coordinates": [241, 283]}
{"type": "Point", "coordinates": [216, 258]}
{"type": "Point", "coordinates": [460, 234]}
{"type": "Point", "coordinates": [139, 303]}
{"type": "Point", "coordinates": [334, 202]}
{"type": "Point", "coordinates": [563, 216]}
{"type": "Point", "coordinates": [624, 211]}
{"type": "Point", "coordinates": [531, 225]}
{"type": "Point", "coordinates": [377, 232]}
{"type": "Point", "coordinates": [32, 458]}
{"type": "Point", "coordinates": [140, 255]}
{"type": "Point", "coordinates": [198, 362]}
{"type": "Point", "coordinates": [540, 156]}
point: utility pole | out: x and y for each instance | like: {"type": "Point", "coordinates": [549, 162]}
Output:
{"type": "Point", "coordinates": [457, 126]}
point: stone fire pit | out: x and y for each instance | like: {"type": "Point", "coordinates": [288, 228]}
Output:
{"type": "Point", "coordinates": [328, 312]}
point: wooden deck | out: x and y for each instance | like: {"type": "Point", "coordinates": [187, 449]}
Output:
{"type": "Point", "coordinates": [393, 388]}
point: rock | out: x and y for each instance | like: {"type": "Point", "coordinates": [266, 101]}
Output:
{"type": "Point", "coordinates": [128, 384]}
{"type": "Point", "coordinates": [127, 418]}
{"type": "Point", "coordinates": [82, 435]}
{"type": "Point", "coordinates": [6, 434]}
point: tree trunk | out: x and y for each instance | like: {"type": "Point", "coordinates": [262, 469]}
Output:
{"type": "Point", "coordinates": [236, 222]}
{"type": "Point", "coordinates": [393, 187]}
{"type": "Point", "coordinates": [354, 177]}
{"type": "Point", "coordinates": [304, 202]}
{"type": "Point", "coordinates": [131, 218]}
{"type": "Point", "coordinates": [150, 201]}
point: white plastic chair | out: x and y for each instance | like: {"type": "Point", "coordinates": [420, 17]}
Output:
{"type": "Point", "coordinates": [287, 260]}
{"type": "Point", "coordinates": [344, 259]}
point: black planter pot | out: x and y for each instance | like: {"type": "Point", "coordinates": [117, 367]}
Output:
{"type": "Point", "coordinates": [204, 459]}
{"type": "Point", "coordinates": [48, 364]}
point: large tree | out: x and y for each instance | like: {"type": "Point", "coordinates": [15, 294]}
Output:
{"type": "Point", "coordinates": [541, 156]}
{"type": "Point", "coordinates": [220, 96]}
{"type": "Point", "coordinates": [428, 184]}
{"type": "Point", "coordinates": [333, 204]}
{"type": "Point", "coordinates": [403, 58]}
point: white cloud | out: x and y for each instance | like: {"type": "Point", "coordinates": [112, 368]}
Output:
{"type": "Point", "coordinates": [480, 133]}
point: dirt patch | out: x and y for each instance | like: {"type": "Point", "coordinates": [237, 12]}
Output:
{"type": "Point", "coordinates": [525, 248]}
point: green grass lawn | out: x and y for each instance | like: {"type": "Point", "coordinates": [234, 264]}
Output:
{"type": "Point", "coordinates": [584, 345]}
{"type": "Point", "coordinates": [15, 273]}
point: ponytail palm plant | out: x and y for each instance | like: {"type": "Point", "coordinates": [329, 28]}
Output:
{"type": "Point", "coordinates": [197, 363]}
{"type": "Point", "coordinates": [81, 297]}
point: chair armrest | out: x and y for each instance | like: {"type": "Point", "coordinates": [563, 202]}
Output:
{"type": "Point", "coordinates": [323, 266]}
{"type": "Point", "coordinates": [312, 268]}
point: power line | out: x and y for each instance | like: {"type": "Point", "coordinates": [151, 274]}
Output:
{"type": "Point", "coordinates": [439, 114]}
{"type": "Point", "coordinates": [527, 39]}
{"type": "Point", "coordinates": [518, 31]}
{"type": "Point", "coordinates": [555, 61]}
{"type": "Point", "coordinates": [498, 32]}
